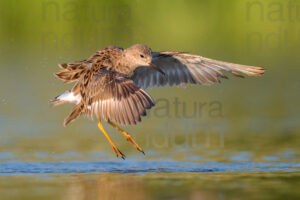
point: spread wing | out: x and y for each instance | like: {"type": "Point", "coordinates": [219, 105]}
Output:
{"type": "Point", "coordinates": [182, 68]}
{"type": "Point", "coordinates": [114, 97]}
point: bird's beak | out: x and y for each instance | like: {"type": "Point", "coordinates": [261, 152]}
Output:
{"type": "Point", "coordinates": [157, 68]}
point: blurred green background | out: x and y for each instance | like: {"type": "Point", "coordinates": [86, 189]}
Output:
{"type": "Point", "coordinates": [255, 115]}
{"type": "Point", "coordinates": [255, 119]}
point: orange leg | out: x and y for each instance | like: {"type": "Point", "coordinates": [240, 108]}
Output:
{"type": "Point", "coordinates": [127, 136]}
{"type": "Point", "coordinates": [114, 147]}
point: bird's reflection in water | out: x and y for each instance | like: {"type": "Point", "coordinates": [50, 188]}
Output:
{"type": "Point", "coordinates": [106, 188]}
{"type": "Point", "coordinates": [128, 187]}
{"type": "Point", "coordinates": [179, 186]}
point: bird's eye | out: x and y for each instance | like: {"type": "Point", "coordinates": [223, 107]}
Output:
{"type": "Point", "coordinates": [141, 55]}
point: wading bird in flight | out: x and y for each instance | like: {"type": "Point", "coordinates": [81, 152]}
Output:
{"type": "Point", "coordinates": [109, 83]}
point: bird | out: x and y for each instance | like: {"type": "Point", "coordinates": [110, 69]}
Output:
{"type": "Point", "coordinates": [111, 83]}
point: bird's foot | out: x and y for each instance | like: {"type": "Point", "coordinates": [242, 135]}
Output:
{"type": "Point", "coordinates": [118, 152]}
{"type": "Point", "coordinates": [131, 140]}
{"type": "Point", "coordinates": [127, 136]}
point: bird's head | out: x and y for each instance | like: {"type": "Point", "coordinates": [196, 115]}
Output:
{"type": "Point", "coordinates": [140, 55]}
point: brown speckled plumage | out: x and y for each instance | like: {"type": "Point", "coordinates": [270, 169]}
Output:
{"type": "Point", "coordinates": [108, 84]}
{"type": "Point", "coordinates": [105, 88]}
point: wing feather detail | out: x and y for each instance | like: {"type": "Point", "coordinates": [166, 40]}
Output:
{"type": "Point", "coordinates": [182, 68]}
{"type": "Point", "coordinates": [115, 97]}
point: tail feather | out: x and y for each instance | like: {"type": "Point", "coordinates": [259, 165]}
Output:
{"type": "Point", "coordinates": [70, 72]}
{"type": "Point", "coordinates": [57, 102]}
{"type": "Point", "coordinates": [74, 114]}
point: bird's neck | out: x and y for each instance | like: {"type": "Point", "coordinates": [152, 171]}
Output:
{"type": "Point", "coordinates": [125, 65]}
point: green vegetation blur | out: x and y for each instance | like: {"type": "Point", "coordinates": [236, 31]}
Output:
{"type": "Point", "coordinates": [251, 119]}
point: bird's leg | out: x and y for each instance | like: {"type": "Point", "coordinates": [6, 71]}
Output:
{"type": "Point", "coordinates": [114, 147]}
{"type": "Point", "coordinates": [127, 136]}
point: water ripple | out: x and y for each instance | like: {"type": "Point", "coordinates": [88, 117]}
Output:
{"type": "Point", "coordinates": [17, 167]}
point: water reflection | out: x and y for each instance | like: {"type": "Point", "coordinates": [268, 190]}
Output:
{"type": "Point", "coordinates": [106, 188]}
{"type": "Point", "coordinates": [245, 185]}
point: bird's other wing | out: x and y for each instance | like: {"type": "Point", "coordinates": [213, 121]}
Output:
{"type": "Point", "coordinates": [114, 97]}
{"type": "Point", "coordinates": [182, 68]}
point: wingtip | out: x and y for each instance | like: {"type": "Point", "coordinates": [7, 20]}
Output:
{"type": "Point", "coordinates": [258, 71]}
